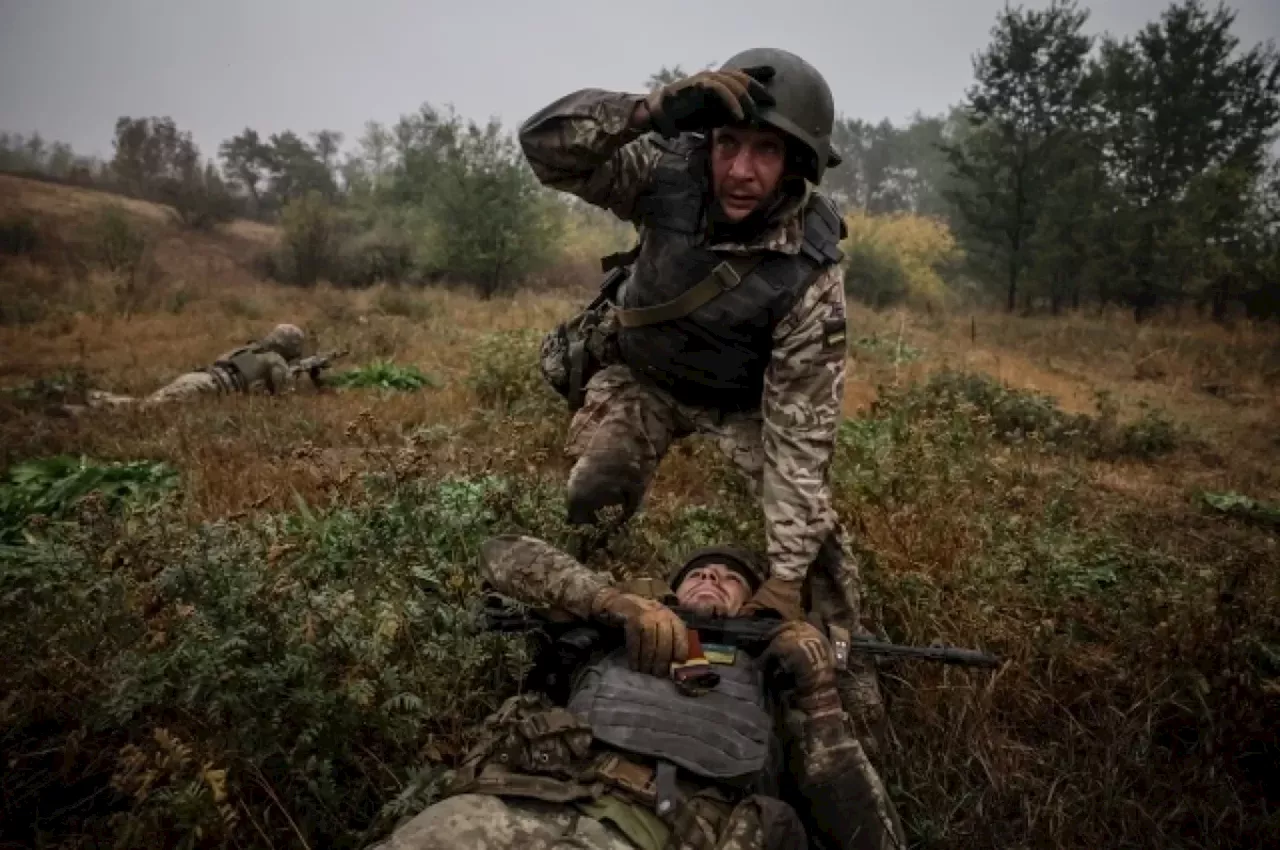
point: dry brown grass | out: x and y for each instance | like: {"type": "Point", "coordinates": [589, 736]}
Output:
{"type": "Point", "coordinates": [1045, 753]}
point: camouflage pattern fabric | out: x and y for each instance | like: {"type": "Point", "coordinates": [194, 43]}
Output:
{"type": "Point", "coordinates": [257, 370]}
{"type": "Point", "coordinates": [484, 822]}
{"type": "Point", "coordinates": [538, 574]}
{"type": "Point", "coordinates": [583, 144]}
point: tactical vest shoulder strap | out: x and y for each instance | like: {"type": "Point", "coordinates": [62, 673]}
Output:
{"type": "Point", "coordinates": [823, 230]}
{"type": "Point", "coordinates": [723, 277]}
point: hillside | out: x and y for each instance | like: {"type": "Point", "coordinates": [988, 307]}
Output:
{"type": "Point", "coordinates": [276, 654]}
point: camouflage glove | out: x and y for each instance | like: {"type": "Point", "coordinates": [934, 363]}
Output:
{"type": "Point", "coordinates": [779, 595]}
{"type": "Point", "coordinates": [800, 651]}
{"type": "Point", "coordinates": [709, 99]}
{"type": "Point", "coordinates": [655, 635]}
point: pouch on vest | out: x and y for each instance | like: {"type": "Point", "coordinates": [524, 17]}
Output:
{"type": "Point", "coordinates": [572, 351]}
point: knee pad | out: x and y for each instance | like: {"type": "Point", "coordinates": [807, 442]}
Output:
{"type": "Point", "coordinates": [602, 486]}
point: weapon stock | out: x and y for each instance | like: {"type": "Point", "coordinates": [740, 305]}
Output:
{"type": "Point", "coordinates": [751, 635]}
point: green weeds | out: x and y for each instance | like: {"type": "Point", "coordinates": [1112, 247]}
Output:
{"type": "Point", "coordinates": [384, 375]}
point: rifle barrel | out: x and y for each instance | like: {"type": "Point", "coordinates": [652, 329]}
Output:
{"type": "Point", "coordinates": [748, 631]}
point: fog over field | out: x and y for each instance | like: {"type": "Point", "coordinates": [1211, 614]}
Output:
{"type": "Point", "coordinates": [70, 68]}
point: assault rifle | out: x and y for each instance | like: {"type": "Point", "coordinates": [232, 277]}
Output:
{"type": "Point", "coordinates": [316, 363]}
{"type": "Point", "coordinates": [750, 634]}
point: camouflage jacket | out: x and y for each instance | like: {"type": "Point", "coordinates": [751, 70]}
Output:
{"type": "Point", "coordinates": [582, 144]}
{"type": "Point", "coordinates": [845, 797]}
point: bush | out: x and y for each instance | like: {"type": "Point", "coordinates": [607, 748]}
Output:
{"type": "Point", "coordinates": [385, 375]}
{"type": "Point", "coordinates": [1016, 415]}
{"type": "Point", "coordinates": [19, 235]}
{"type": "Point", "coordinates": [383, 254]}
{"type": "Point", "coordinates": [115, 242]}
{"type": "Point", "coordinates": [493, 221]}
{"type": "Point", "coordinates": [504, 371]}
{"type": "Point", "coordinates": [899, 257]}
{"type": "Point", "coordinates": [199, 203]}
{"type": "Point", "coordinates": [304, 678]}
{"type": "Point", "coordinates": [309, 248]}
{"type": "Point", "coordinates": [52, 487]}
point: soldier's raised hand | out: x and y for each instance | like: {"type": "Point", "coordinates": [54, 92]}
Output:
{"type": "Point", "coordinates": [709, 99]}
{"type": "Point", "coordinates": [655, 635]}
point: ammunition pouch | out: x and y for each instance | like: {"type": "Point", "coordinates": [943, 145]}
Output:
{"type": "Point", "coordinates": [581, 346]}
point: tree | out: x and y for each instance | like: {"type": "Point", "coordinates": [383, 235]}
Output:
{"type": "Point", "coordinates": [247, 161]}
{"type": "Point", "coordinates": [1030, 94]}
{"type": "Point", "coordinates": [296, 169]}
{"type": "Point", "coordinates": [494, 220]}
{"type": "Point", "coordinates": [1185, 110]}
{"type": "Point", "coordinates": [150, 152]}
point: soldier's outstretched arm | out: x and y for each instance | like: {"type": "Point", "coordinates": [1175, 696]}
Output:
{"type": "Point", "coordinates": [537, 573]}
{"type": "Point", "coordinates": [592, 144]}
{"type": "Point", "coordinates": [803, 390]}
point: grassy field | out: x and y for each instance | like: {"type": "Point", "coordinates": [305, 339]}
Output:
{"type": "Point", "coordinates": [275, 651]}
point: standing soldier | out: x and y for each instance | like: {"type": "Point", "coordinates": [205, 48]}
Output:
{"type": "Point", "coordinates": [730, 317]}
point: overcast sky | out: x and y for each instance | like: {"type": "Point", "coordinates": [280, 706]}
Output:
{"type": "Point", "coordinates": [69, 68]}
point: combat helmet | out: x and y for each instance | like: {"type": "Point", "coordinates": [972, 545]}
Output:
{"type": "Point", "coordinates": [804, 108]}
{"type": "Point", "coordinates": [747, 564]}
{"type": "Point", "coordinates": [285, 340]}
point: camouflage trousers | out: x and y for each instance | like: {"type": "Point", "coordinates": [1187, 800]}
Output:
{"type": "Point", "coordinates": [484, 822]}
{"type": "Point", "coordinates": [211, 380]}
{"type": "Point", "coordinates": [618, 438]}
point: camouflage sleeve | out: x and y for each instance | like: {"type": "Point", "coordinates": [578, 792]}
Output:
{"type": "Point", "coordinates": [537, 573]}
{"type": "Point", "coordinates": [803, 389]}
{"type": "Point", "coordinates": [583, 144]}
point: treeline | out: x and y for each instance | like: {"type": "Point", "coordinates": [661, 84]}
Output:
{"type": "Point", "coordinates": [1078, 170]}
{"type": "Point", "coordinates": [1131, 171]}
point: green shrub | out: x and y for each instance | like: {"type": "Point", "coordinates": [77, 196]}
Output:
{"type": "Point", "coordinates": [19, 235]}
{"type": "Point", "coordinates": [115, 241]}
{"type": "Point", "coordinates": [305, 677]}
{"type": "Point", "coordinates": [385, 375]}
{"type": "Point", "coordinates": [1244, 507]}
{"type": "Point", "coordinates": [382, 254]}
{"type": "Point", "coordinates": [310, 244]}
{"type": "Point", "coordinates": [504, 371]}
{"type": "Point", "coordinates": [51, 487]}
{"type": "Point", "coordinates": [1020, 415]}
{"type": "Point", "coordinates": [874, 275]}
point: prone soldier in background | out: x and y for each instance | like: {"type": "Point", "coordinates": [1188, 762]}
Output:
{"type": "Point", "coordinates": [272, 363]}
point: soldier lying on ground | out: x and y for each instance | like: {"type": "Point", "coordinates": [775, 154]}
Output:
{"type": "Point", "coordinates": [272, 363]}
{"type": "Point", "coordinates": [638, 760]}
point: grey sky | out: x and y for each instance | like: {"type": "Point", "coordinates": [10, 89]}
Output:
{"type": "Point", "coordinates": [69, 68]}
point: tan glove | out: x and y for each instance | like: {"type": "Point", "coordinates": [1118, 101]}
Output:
{"type": "Point", "coordinates": [800, 651]}
{"type": "Point", "coordinates": [655, 635]}
{"type": "Point", "coordinates": [779, 595]}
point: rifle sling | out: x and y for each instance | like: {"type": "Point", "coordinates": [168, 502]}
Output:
{"type": "Point", "coordinates": [723, 278]}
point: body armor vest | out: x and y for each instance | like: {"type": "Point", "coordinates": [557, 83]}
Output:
{"type": "Point", "coordinates": [726, 735]}
{"type": "Point", "coordinates": [716, 355]}
{"type": "Point", "coordinates": [244, 365]}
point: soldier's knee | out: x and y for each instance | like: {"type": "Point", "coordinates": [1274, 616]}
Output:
{"type": "Point", "coordinates": [604, 489]}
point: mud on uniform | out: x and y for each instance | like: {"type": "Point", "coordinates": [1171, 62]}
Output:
{"type": "Point", "coordinates": [776, 412]}
{"type": "Point", "coordinates": [596, 773]}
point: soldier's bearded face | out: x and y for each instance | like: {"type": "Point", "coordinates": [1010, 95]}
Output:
{"type": "Point", "coordinates": [746, 166]}
{"type": "Point", "coordinates": [713, 589]}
